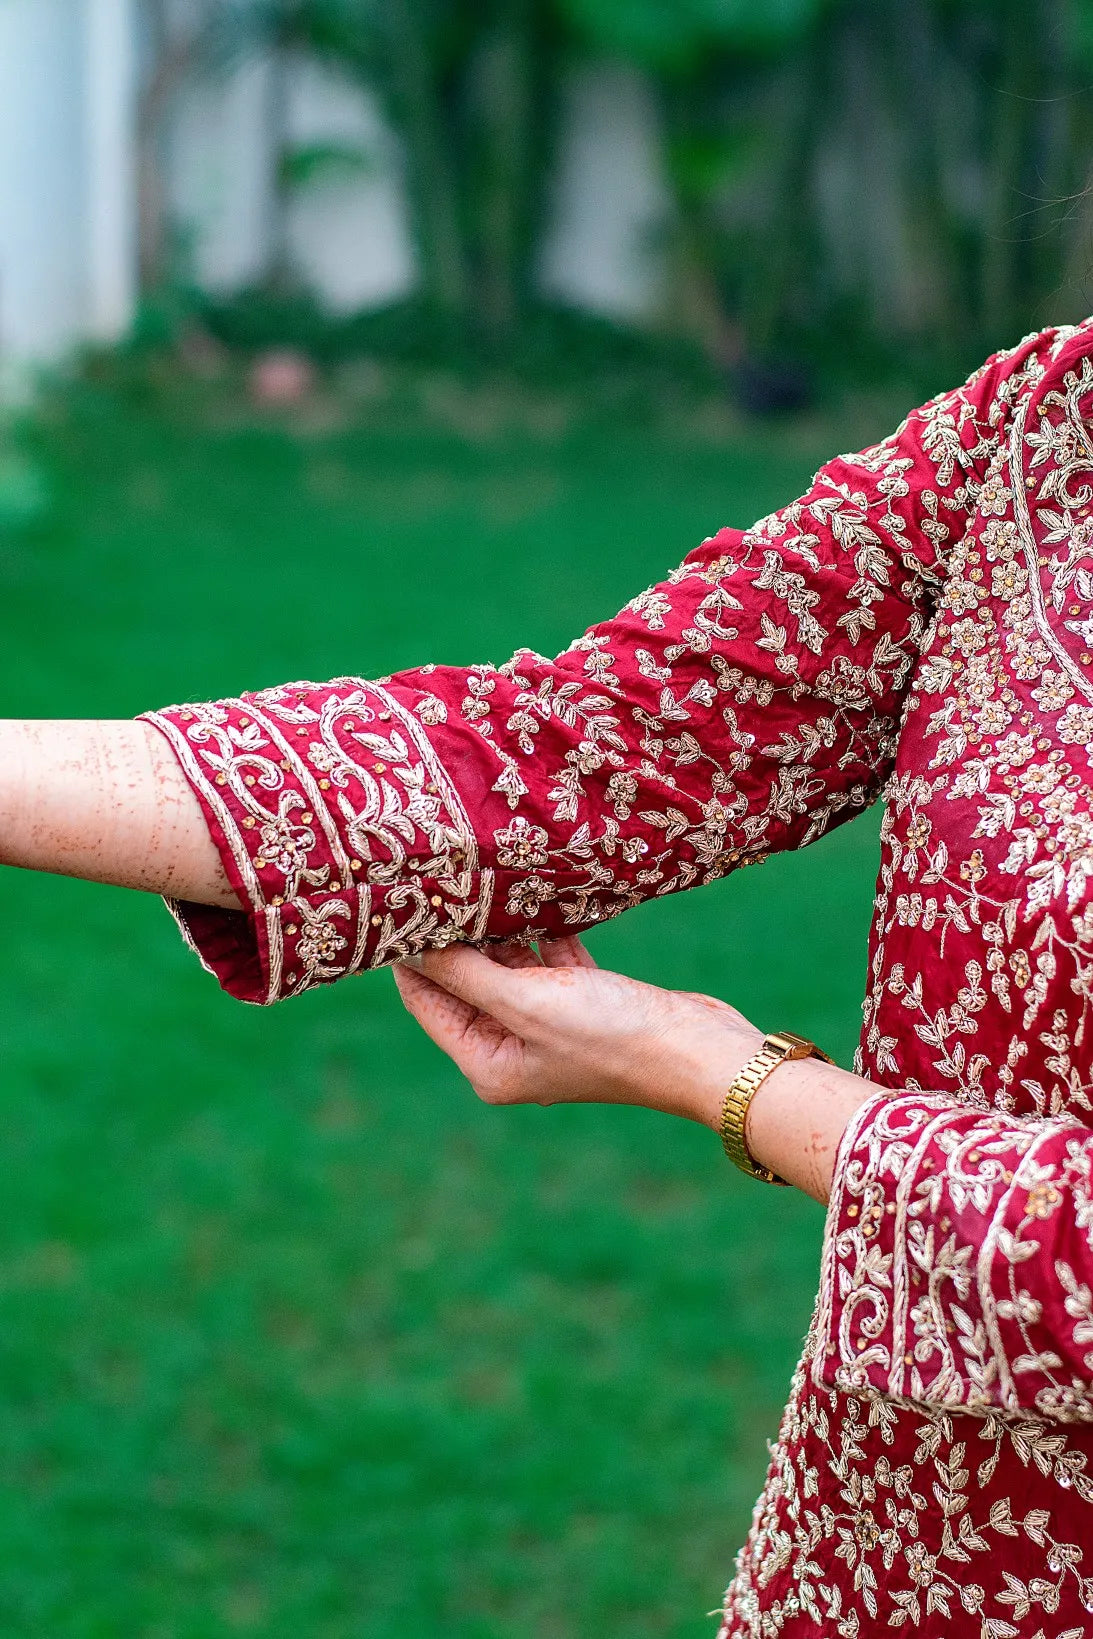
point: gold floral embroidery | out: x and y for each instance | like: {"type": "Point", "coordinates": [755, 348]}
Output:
{"type": "Point", "coordinates": [922, 619]}
{"type": "Point", "coordinates": [983, 934]}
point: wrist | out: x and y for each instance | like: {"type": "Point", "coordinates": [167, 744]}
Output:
{"type": "Point", "coordinates": [719, 1068]}
{"type": "Point", "coordinates": [796, 1120]}
{"type": "Point", "coordinates": [13, 778]}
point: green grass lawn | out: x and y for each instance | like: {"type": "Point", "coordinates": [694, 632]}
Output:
{"type": "Point", "coordinates": [296, 1339]}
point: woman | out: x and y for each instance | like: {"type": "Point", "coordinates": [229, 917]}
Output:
{"type": "Point", "coordinates": [921, 620]}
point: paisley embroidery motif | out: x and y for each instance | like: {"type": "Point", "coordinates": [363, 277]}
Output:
{"type": "Point", "coordinates": [312, 829]}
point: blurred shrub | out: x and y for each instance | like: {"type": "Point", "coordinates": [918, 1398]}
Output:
{"type": "Point", "coordinates": [846, 176]}
{"type": "Point", "coordinates": [23, 494]}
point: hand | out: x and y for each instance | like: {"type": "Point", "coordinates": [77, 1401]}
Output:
{"type": "Point", "coordinates": [554, 1028]}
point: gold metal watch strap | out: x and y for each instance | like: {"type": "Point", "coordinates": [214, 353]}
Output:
{"type": "Point", "coordinates": [777, 1047]}
{"type": "Point", "coordinates": [735, 1109]}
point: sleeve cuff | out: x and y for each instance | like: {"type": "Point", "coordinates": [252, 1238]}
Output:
{"type": "Point", "coordinates": [940, 1281]}
{"type": "Point", "coordinates": [341, 833]}
{"type": "Point", "coordinates": [835, 1283]}
{"type": "Point", "coordinates": [883, 1224]}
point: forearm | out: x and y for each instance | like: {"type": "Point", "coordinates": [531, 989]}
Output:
{"type": "Point", "coordinates": [105, 800]}
{"type": "Point", "coordinates": [559, 1029]}
{"type": "Point", "coordinates": [797, 1118]}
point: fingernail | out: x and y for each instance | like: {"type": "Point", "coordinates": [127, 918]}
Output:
{"type": "Point", "coordinates": [412, 961]}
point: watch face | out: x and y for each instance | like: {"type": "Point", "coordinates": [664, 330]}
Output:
{"type": "Point", "coordinates": [791, 1045]}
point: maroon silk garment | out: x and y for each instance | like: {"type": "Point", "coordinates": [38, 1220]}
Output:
{"type": "Point", "coordinates": [919, 624]}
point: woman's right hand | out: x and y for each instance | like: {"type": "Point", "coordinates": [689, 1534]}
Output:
{"type": "Point", "coordinates": [555, 1028]}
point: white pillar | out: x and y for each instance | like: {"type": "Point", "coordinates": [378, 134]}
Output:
{"type": "Point", "coordinates": [110, 211]}
{"type": "Point", "coordinates": [42, 254]}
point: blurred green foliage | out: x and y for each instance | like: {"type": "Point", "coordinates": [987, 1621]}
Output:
{"type": "Point", "coordinates": [680, 38]}
{"type": "Point", "coordinates": [840, 170]}
{"type": "Point", "coordinates": [24, 497]}
{"type": "Point", "coordinates": [22, 490]}
{"type": "Point", "coordinates": [297, 1341]}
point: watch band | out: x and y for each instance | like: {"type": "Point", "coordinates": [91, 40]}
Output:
{"type": "Point", "coordinates": [777, 1047]}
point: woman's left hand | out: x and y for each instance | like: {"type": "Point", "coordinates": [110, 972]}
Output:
{"type": "Point", "coordinates": [554, 1028]}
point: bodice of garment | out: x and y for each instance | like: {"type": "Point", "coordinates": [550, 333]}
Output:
{"type": "Point", "coordinates": [934, 1462]}
{"type": "Point", "coordinates": [920, 623]}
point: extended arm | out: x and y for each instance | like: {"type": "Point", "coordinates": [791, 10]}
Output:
{"type": "Point", "coordinates": [746, 704]}
{"type": "Point", "coordinates": [107, 801]}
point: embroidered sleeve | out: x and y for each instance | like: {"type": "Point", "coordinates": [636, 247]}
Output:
{"type": "Point", "coordinates": [958, 1261]}
{"type": "Point", "coordinates": [746, 704]}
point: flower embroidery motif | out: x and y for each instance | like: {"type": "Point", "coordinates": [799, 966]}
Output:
{"type": "Point", "coordinates": [527, 897]}
{"type": "Point", "coordinates": [1042, 1200]}
{"type": "Point", "coordinates": [521, 845]}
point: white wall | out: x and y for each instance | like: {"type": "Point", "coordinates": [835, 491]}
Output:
{"type": "Point", "coordinates": [68, 204]}
{"type": "Point", "coordinates": [42, 224]}
{"type": "Point", "coordinates": [67, 248]}
{"type": "Point", "coordinates": [110, 212]}
{"type": "Point", "coordinates": [219, 177]}
{"type": "Point", "coordinates": [348, 234]}
{"type": "Point", "coordinates": [611, 201]}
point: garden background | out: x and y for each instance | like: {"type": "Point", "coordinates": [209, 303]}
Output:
{"type": "Point", "coordinates": [296, 1340]}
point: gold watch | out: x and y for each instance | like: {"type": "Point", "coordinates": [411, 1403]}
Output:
{"type": "Point", "coordinates": [779, 1046]}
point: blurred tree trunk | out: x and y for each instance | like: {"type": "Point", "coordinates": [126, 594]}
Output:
{"type": "Point", "coordinates": [280, 273]}
{"type": "Point", "coordinates": [700, 307]}
{"type": "Point", "coordinates": [172, 55]}
{"type": "Point", "coordinates": [1059, 160]}
{"type": "Point", "coordinates": [912, 53]}
{"type": "Point", "coordinates": [511, 94]}
{"type": "Point", "coordinates": [1075, 271]}
{"type": "Point", "coordinates": [431, 176]}
{"type": "Point", "coordinates": [790, 244]}
{"type": "Point", "coordinates": [1009, 201]}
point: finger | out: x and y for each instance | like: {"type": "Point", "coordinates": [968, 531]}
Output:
{"type": "Point", "coordinates": [568, 951]}
{"type": "Point", "coordinates": [511, 953]}
{"type": "Point", "coordinates": [471, 976]}
{"type": "Point", "coordinates": [471, 1039]}
{"type": "Point", "coordinates": [442, 1016]}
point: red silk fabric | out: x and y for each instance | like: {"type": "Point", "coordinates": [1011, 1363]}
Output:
{"type": "Point", "coordinates": [920, 624]}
